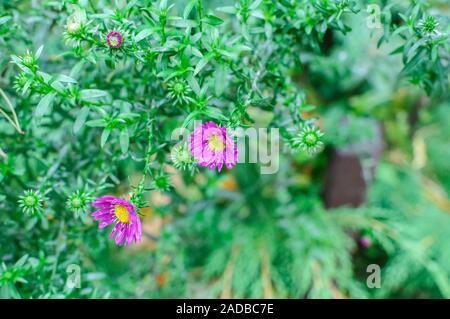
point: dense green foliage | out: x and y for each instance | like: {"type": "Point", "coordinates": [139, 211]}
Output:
{"type": "Point", "coordinates": [80, 119]}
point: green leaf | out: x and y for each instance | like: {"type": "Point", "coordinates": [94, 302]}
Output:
{"type": "Point", "coordinates": [416, 60]}
{"type": "Point", "coordinates": [143, 34]}
{"type": "Point", "coordinates": [412, 50]}
{"type": "Point", "coordinates": [228, 9]}
{"type": "Point", "coordinates": [105, 135]}
{"type": "Point", "coordinates": [196, 52]}
{"type": "Point", "coordinates": [128, 116]}
{"type": "Point", "coordinates": [180, 23]}
{"type": "Point", "coordinates": [38, 52]}
{"type": "Point", "coordinates": [397, 51]}
{"type": "Point", "coordinates": [4, 19]}
{"type": "Point", "coordinates": [215, 113]}
{"type": "Point", "coordinates": [22, 280]}
{"type": "Point", "coordinates": [308, 108]}
{"type": "Point", "coordinates": [80, 119]}
{"type": "Point", "coordinates": [190, 118]}
{"type": "Point", "coordinates": [96, 123]}
{"type": "Point", "coordinates": [76, 70]}
{"type": "Point", "coordinates": [44, 106]}
{"type": "Point", "coordinates": [213, 20]}
{"type": "Point", "coordinates": [188, 8]}
{"type": "Point", "coordinates": [200, 65]}
{"type": "Point", "coordinates": [47, 77]}
{"type": "Point", "coordinates": [91, 94]}
{"type": "Point", "coordinates": [21, 261]}
{"type": "Point", "coordinates": [255, 4]}
{"type": "Point", "coordinates": [193, 83]}
{"type": "Point", "coordinates": [57, 86]}
{"type": "Point", "coordinates": [65, 78]}
{"type": "Point", "coordinates": [220, 80]}
{"type": "Point", "coordinates": [124, 140]}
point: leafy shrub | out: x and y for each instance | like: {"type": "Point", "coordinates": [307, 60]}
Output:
{"type": "Point", "coordinates": [91, 92]}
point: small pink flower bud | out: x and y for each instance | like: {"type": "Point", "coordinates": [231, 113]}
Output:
{"type": "Point", "coordinates": [114, 39]}
{"type": "Point", "coordinates": [365, 241]}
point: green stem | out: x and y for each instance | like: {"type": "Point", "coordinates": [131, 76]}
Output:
{"type": "Point", "coordinates": [136, 198]}
{"type": "Point", "coordinates": [200, 14]}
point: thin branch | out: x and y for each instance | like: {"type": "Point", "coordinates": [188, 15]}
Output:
{"type": "Point", "coordinates": [11, 107]}
{"type": "Point", "coordinates": [8, 118]}
{"type": "Point", "coordinates": [9, 104]}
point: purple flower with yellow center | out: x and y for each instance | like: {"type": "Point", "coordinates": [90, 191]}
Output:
{"type": "Point", "coordinates": [114, 210]}
{"type": "Point", "coordinates": [114, 39]}
{"type": "Point", "coordinates": [212, 146]}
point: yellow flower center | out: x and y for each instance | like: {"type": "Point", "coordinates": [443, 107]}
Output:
{"type": "Point", "coordinates": [216, 143]}
{"type": "Point", "coordinates": [122, 214]}
{"type": "Point", "coordinates": [113, 40]}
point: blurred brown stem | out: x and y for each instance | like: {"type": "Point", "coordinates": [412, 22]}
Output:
{"type": "Point", "coordinates": [265, 273]}
{"type": "Point", "coordinates": [228, 274]}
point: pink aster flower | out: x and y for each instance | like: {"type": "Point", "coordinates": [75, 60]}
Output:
{"type": "Point", "coordinates": [365, 241]}
{"type": "Point", "coordinates": [122, 213]}
{"type": "Point", "coordinates": [114, 39]}
{"type": "Point", "coordinates": [212, 146]}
